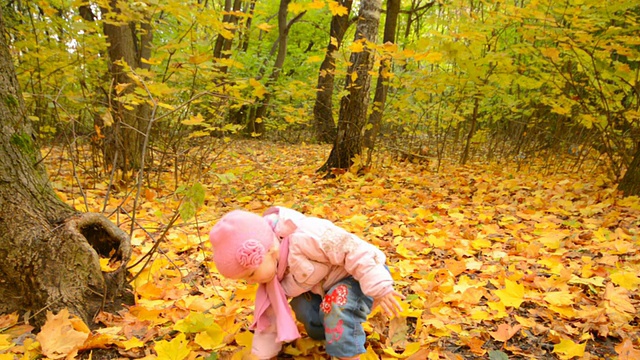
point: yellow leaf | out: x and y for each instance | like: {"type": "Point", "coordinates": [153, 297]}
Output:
{"type": "Point", "coordinates": [106, 266]}
{"type": "Point", "coordinates": [258, 89]}
{"type": "Point", "coordinates": [437, 242]}
{"type": "Point", "coordinates": [176, 349]}
{"type": "Point", "coordinates": [134, 342]}
{"type": "Point", "coordinates": [559, 298]}
{"type": "Point", "coordinates": [551, 53]}
{"type": "Point", "coordinates": [357, 47]}
{"type": "Point", "coordinates": [210, 339]}
{"type": "Point", "coordinates": [481, 243]}
{"type": "Point", "coordinates": [199, 59]}
{"type": "Point", "coordinates": [166, 106]}
{"type": "Point", "coordinates": [627, 279]}
{"type": "Point", "coordinates": [313, 59]}
{"type": "Point", "coordinates": [266, 27]}
{"type": "Point", "coordinates": [431, 57]}
{"type": "Point", "coordinates": [565, 311]}
{"type": "Point", "coordinates": [316, 4]}
{"type": "Point", "coordinates": [358, 221]}
{"type": "Point", "coordinates": [409, 350]}
{"type": "Point", "coordinates": [150, 61]}
{"type": "Point", "coordinates": [121, 87]}
{"type": "Point", "coordinates": [512, 294]}
{"type": "Point", "coordinates": [568, 349]}
{"type": "Point", "coordinates": [244, 338]}
{"type": "Point", "coordinates": [5, 343]}
{"type": "Point", "coordinates": [337, 9]}
{"type": "Point", "coordinates": [369, 355]}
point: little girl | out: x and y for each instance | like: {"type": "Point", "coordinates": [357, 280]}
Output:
{"type": "Point", "coordinates": [334, 278]}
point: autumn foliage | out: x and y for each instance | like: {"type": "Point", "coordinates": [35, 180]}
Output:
{"type": "Point", "coordinates": [495, 263]}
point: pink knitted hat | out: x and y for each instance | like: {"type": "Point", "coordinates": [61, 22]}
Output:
{"type": "Point", "coordinates": [240, 241]}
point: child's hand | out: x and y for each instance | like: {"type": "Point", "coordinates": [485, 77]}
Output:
{"type": "Point", "coordinates": [389, 304]}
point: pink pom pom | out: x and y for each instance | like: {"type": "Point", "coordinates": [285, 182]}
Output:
{"type": "Point", "coordinates": [251, 254]}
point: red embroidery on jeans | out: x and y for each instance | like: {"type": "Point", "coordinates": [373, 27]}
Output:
{"type": "Point", "coordinates": [334, 334]}
{"type": "Point", "coordinates": [338, 296]}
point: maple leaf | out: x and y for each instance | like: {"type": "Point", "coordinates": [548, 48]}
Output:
{"type": "Point", "coordinates": [505, 332]}
{"type": "Point", "coordinates": [512, 294]}
{"type": "Point", "coordinates": [559, 298]}
{"type": "Point", "coordinates": [176, 349]}
{"type": "Point", "coordinates": [58, 336]}
{"type": "Point", "coordinates": [265, 27]}
{"type": "Point", "coordinates": [258, 89]}
{"type": "Point", "coordinates": [409, 350]}
{"type": "Point", "coordinates": [626, 350]}
{"type": "Point", "coordinates": [337, 9]}
{"type": "Point", "coordinates": [568, 349]}
{"type": "Point", "coordinates": [5, 342]}
{"type": "Point", "coordinates": [627, 279]}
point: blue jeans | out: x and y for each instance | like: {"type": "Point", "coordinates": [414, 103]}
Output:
{"type": "Point", "coordinates": [336, 318]}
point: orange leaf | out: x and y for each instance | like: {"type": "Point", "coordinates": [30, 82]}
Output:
{"type": "Point", "coordinates": [58, 338]}
{"type": "Point", "coordinates": [626, 350]}
{"type": "Point", "coordinates": [505, 332]}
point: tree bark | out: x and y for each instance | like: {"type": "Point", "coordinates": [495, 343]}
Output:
{"type": "Point", "coordinates": [630, 183]}
{"type": "Point", "coordinates": [50, 253]}
{"type": "Point", "coordinates": [324, 126]}
{"type": "Point", "coordinates": [124, 138]}
{"type": "Point", "coordinates": [223, 45]}
{"type": "Point", "coordinates": [353, 106]}
{"type": "Point", "coordinates": [382, 85]}
{"type": "Point", "coordinates": [256, 126]}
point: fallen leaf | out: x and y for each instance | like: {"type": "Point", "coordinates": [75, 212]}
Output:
{"type": "Point", "coordinates": [505, 332]}
{"type": "Point", "coordinates": [58, 338]}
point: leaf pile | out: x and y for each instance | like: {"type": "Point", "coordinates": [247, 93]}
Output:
{"type": "Point", "coordinates": [495, 263]}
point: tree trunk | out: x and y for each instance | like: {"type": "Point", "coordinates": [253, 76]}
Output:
{"type": "Point", "coordinates": [324, 126]}
{"type": "Point", "coordinates": [256, 126]}
{"type": "Point", "coordinates": [630, 183]}
{"type": "Point", "coordinates": [244, 44]}
{"type": "Point", "coordinates": [382, 85]}
{"type": "Point", "coordinates": [353, 106]}
{"type": "Point", "coordinates": [124, 138]}
{"type": "Point", "coordinates": [472, 131]}
{"type": "Point", "coordinates": [50, 253]}
{"type": "Point", "coordinates": [223, 45]}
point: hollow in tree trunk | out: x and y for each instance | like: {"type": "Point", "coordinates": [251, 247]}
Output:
{"type": "Point", "coordinates": [50, 253]}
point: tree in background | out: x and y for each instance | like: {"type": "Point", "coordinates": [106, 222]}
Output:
{"type": "Point", "coordinates": [129, 50]}
{"type": "Point", "coordinates": [630, 183]}
{"type": "Point", "coordinates": [354, 105]}
{"type": "Point", "coordinates": [382, 84]}
{"type": "Point", "coordinates": [324, 125]}
{"type": "Point", "coordinates": [256, 120]}
{"type": "Point", "coordinates": [50, 252]}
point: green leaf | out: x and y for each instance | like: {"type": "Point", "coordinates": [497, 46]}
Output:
{"type": "Point", "coordinates": [195, 322]}
{"type": "Point", "coordinates": [497, 355]}
{"type": "Point", "coordinates": [193, 200]}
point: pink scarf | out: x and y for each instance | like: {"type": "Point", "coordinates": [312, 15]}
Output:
{"type": "Point", "coordinates": [272, 295]}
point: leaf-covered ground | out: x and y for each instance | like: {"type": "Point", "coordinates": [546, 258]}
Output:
{"type": "Point", "coordinates": [496, 263]}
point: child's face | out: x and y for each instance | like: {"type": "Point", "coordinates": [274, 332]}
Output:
{"type": "Point", "coordinates": [266, 271]}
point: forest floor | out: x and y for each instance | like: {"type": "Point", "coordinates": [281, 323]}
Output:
{"type": "Point", "coordinates": [497, 261]}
